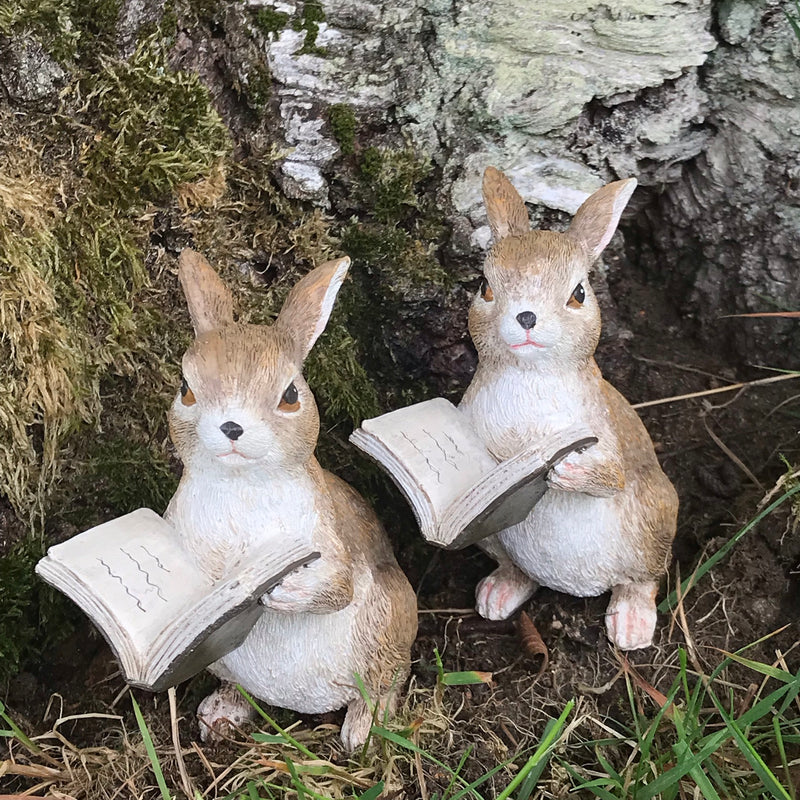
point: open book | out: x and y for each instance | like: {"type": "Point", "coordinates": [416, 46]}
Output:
{"type": "Point", "coordinates": [164, 618]}
{"type": "Point", "coordinates": [457, 489]}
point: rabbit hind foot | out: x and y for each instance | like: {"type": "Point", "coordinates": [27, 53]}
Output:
{"type": "Point", "coordinates": [502, 592]}
{"type": "Point", "coordinates": [631, 615]}
{"type": "Point", "coordinates": [222, 710]}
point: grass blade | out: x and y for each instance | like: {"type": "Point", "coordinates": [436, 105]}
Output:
{"type": "Point", "coordinates": [302, 748]}
{"type": "Point", "coordinates": [669, 602]}
{"type": "Point", "coordinates": [465, 678]}
{"type": "Point", "coordinates": [543, 751]}
{"type": "Point", "coordinates": [764, 773]}
{"type": "Point", "coordinates": [409, 745]}
{"type": "Point", "coordinates": [764, 669]}
{"type": "Point", "coordinates": [373, 793]}
{"type": "Point", "coordinates": [151, 750]}
{"type": "Point", "coordinates": [16, 732]}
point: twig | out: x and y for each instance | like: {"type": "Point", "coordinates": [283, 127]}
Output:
{"type": "Point", "coordinates": [206, 763]}
{"type": "Point", "coordinates": [732, 387]}
{"type": "Point", "coordinates": [462, 612]}
{"type": "Point", "coordinates": [683, 624]}
{"type": "Point", "coordinates": [186, 781]}
{"type": "Point", "coordinates": [731, 455]}
{"type": "Point", "coordinates": [682, 367]}
{"type": "Point", "coordinates": [423, 786]}
{"type": "Point", "coordinates": [584, 688]}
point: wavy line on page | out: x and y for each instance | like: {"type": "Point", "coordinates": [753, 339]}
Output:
{"type": "Point", "coordinates": [453, 442]}
{"type": "Point", "coordinates": [447, 457]}
{"type": "Point", "coordinates": [427, 460]}
{"type": "Point", "coordinates": [156, 559]}
{"type": "Point", "coordinates": [146, 575]}
{"type": "Point", "coordinates": [122, 584]}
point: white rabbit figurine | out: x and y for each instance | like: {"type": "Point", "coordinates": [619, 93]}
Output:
{"type": "Point", "coordinates": [245, 425]}
{"type": "Point", "coordinates": [609, 516]}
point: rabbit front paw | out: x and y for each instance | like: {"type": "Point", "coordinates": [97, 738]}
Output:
{"type": "Point", "coordinates": [631, 615]}
{"type": "Point", "coordinates": [502, 592]}
{"type": "Point", "coordinates": [581, 472]}
{"type": "Point", "coordinates": [567, 475]}
{"type": "Point", "coordinates": [288, 595]}
{"type": "Point", "coordinates": [315, 588]}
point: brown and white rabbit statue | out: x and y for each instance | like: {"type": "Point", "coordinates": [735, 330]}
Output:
{"type": "Point", "coordinates": [245, 425]}
{"type": "Point", "coordinates": [608, 519]}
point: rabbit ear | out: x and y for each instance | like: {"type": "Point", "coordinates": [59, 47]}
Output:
{"type": "Point", "coordinates": [209, 300]}
{"type": "Point", "coordinates": [306, 310]}
{"type": "Point", "coordinates": [597, 218]}
{"type": "Point", "coordinates": [504, 206]}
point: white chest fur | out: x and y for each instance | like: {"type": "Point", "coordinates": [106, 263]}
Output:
{"type": "Point", "coordinates": [222, 515]}
{"type": "Point", "coordinates": [515, 408]}
{"type": "Point", "coordinates": [571, 542]}
{"type": "Point", "coordinates": [306, 662]}
{"type": "Point", "coordinates": [297, 660]}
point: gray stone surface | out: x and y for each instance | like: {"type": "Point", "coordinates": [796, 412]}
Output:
{"type": "Point", "coordinates": [508, 83]}
{"type": "Point", "coordinates": [27, 72]}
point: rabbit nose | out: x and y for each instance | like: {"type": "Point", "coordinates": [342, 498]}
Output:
{"type": "Point", "coordinates": [527, 319]}
{"type": "Point", "coordinates": [231, 430]}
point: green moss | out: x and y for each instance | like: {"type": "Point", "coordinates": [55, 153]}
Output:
{"type": "Point", "coordinates": [336, 373]}
{"type": "Point", "coordinates": [122, 475]}
{"type": "Point", "coordinates": [259, 88]}
{"type": "Point", "coordinates": [405, 266]}
{"type": "Point", "coordinates": [206, 11]}
{"type": "Point", "coordinates": [69, 29]}
{"type": "Point", "coordinates": [342, 120]}
{"type": "Point", "coordinates": [389, 182]}
{"type": "Point", "coordinates": [270, 22]}
{"type": "Point", "coordinates": [398, 238]}
{"type": "Point", "coordinates": [308, 21]}
{"type": "Point", "coordinates": [48, 20]}
{"type": "Point", "coordinates": [71, 260]}
{"type": "Point", "coordinates": [96, 21]}
{"type": "Point", "coordinates": [157, 128]}
{"type": "Point", "coordinates": [33, 617]}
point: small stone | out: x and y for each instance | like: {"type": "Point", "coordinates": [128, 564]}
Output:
{"type": "Point", "coordinates": [303, 181]}
{"type": "Point", "coordinates": [28, 73]}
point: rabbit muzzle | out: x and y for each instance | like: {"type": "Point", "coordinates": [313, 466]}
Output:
{"type": "Point", "coordinates": [236, 437]}
{"type": "Point", "coordinates": [525, 333]}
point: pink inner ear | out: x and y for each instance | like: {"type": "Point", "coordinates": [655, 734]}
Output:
{"type": "Point", "coordinates": [596, 220]}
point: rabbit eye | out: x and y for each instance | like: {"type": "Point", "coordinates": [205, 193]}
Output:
{"type": "Point", "coordinates": [187, 395]}
{"type": "Point", "coordinates": [486, 291]}
{"type": "Point", "coordinates": [289, 400]}
{"type": "Point", "coordinates": [577, 297]}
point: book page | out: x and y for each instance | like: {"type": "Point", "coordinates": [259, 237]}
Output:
{"type": "Point", "coordinates": [435, 446]}
{"type": "Point", "coordinates": [130, 575]}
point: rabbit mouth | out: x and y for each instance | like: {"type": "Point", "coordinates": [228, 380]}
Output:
{"type": "Point", "coordinates": [526, 343]}
{"type": "Point", "coordinates": [234, 452]}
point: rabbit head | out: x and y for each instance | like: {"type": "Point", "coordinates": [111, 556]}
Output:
{"type": "Point", "coordinates": [535, 308]}
{"type": "Point", "coordinates": [243, 402]}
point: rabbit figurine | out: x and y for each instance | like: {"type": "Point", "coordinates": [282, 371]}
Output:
{"type": "Point", "coordinates": [609, 516]}
{"type": "Point", "coordinates": [245, 425]}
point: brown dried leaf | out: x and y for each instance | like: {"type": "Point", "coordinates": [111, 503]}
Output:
{"type": "Point", "coordinates": [659, 698]}
{"type": "Point", "coordinates": [532, 642]}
